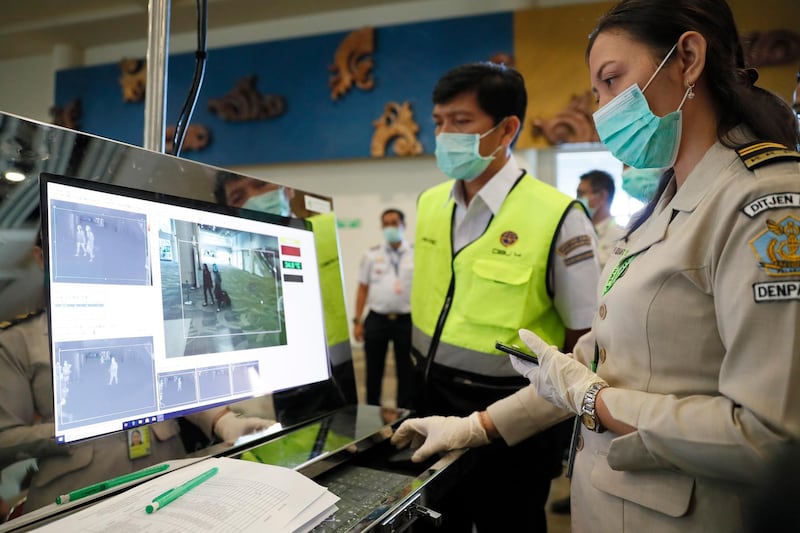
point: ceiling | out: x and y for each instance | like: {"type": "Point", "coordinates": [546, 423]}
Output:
{"type": "Point", "coordinates": [34, 27]}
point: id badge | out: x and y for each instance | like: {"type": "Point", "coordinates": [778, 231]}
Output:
{"type": "Point", "coordinates": [398, 286]}
{"type": "Point", "coordinates": [138, 442]}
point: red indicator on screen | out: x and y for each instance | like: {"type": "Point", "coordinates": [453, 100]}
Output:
{"type": "Point", "coordinates": [290, 250]}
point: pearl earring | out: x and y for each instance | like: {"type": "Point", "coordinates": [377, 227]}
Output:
{"type": "Point", "coordinates": [690, 87]}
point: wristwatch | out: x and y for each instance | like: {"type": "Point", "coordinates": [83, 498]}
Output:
{"type": "Point", "coordinates": [588, 412]}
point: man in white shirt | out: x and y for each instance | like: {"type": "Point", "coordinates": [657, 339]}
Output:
{"type": "Point", "coordinates": [596, 193]}
{"type": "Point", "coordinates": [384, 286]}
{"type": "Point", "coordinates": [495, 250]}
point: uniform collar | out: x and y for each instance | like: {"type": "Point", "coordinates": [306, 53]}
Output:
{"type": "Point", "coordinates": [716, 162]}
{"type": "Point", "coordinates": [496, 189]}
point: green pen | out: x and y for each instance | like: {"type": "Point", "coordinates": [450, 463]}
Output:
{"type": "Point", "coordinates": [171, 495]}
{"type": "Point", "coordinates": [103, 485]}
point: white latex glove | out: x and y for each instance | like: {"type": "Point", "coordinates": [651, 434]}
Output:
{"type": "Point", "coordinates": [434, 434]}
{"type": "Point", "coordinates": [523, 367]}
{"type": "Point", "coordinates": [558, 378]}
{"type": "Point", "coordinates": [231, 426]}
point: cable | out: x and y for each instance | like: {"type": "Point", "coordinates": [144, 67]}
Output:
{"type": "Point", "coordinates": [199, 72]}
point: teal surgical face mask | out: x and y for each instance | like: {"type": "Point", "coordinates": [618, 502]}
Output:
{"type": "Point", "coordinates": [585, 202]}
{"type": "Point", "coordinates": [641, 183]}
{"type": "Point", "coordinates": [457, 154]}
{"type": "Point", "coordinates": [274, 201]}
{"type": "Point", "coordinates": [393, 234]}
{"type": "Point", "coordinates": [636, 136]}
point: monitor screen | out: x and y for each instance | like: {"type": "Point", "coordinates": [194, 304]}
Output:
{"type": "Point", "coordinates": [160, 306]}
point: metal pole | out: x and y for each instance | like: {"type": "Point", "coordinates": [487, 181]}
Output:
{"type": "Point", "coordinates": [156, 87]}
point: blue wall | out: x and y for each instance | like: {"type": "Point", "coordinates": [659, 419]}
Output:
{"type": "Point", "coordinates": [408, 59]}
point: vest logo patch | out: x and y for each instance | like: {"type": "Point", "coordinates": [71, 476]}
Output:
{"type": "Point", "coordinates": [778, 247]}
{"type": "Point", "coordinates": [573, 244]}
{"type": "Point", "coordinates": [508, 238]}
{"type": "Point", "coordinates": [776, 291]}
{"type": "Point", "coordinates": [772, 201]}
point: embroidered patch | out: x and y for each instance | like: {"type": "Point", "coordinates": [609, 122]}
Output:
{"type": "Point", "coordinates": [778, 247]}
{"type": "Point", "coordinates": [776, 291]}
{"type": "Point", "coordinates": [508, 238]}
{"type": "Point", "coordinates": [578, 258]}
{"type": "Point", "coordinates": [772, 201]}
{"type": "Point", "coordinates": [573, 244]}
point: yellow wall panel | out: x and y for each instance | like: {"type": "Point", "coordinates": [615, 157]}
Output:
{"type": "Point", "coordinates": [550, 43]}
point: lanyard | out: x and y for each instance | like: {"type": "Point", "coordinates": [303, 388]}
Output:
{"type": "Point", "coordinates": [395, 258]}
{"type": "Point", "coordinates": [617, 272]}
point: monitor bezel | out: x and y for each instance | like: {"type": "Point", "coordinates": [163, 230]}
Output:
{"type": "Point", "coordinates": [46, 178]}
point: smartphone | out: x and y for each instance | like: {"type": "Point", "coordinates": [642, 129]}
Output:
{"type": "Point", "coordinates": [516, 352]}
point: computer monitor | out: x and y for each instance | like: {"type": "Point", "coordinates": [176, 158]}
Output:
{"type": "Point", "coordinates": [159, 306]}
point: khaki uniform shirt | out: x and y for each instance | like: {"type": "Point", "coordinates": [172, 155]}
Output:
{"type": "Point", "coordinates": [699, 342]}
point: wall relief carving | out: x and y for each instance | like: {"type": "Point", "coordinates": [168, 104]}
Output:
{"type": "Point", "coordinates": [244, 103]}
{"type": "Point", "coordinates": [352, 63]}
{"type": "Point", "coordinates": [396, 124]}
{"type": "Point", "coordinates": [771, 48]}
{"type": "Point", "coordinates": [197, 138]}
{"type": "Point", "coordinates": [572, 125]}
{"type": "Point", "coordinates": [133, 80]}
{"type": "Point", "coordinates": [503, 58]}
{"type": "Point", "coordinates": [68, 116]}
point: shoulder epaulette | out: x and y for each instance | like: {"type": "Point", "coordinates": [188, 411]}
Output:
{"type": "Point", "coordinates": [5, 324]}
{"type": "Point", "coordinates": [759, 153]}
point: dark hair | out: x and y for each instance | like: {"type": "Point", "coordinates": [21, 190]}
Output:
{"type": "Point", "coordinates": [393, 210]}
{"type": "Point", "coordinates": [659, 23]}
{"type": "Point", "coordinates": [500, 90]}
{"type": "Point", "coordinates": [601, 180]}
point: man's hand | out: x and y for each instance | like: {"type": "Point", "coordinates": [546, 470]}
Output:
{"type": "Point", "coordinates": [436, 434]}
{"type": "Point", "coordinates": [558, 378]}
{"type": "Point", "coordinates": [230, 426]}
{"type": "Point", "coordinates": [358, 331]}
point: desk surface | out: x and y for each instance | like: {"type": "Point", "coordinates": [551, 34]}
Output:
{"type": "Point", "coordinates": [351, 441]}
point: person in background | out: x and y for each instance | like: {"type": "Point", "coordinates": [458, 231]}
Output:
{"type": "Point", "coordinates": [695, 341]}
{"type": "Point", "coordinates": [384, 285]}
{"type": "Point", "coordinates": [218, 295]}
{"type": "Point", "coordinates": [208, 285]}
{"type": "Point", "coordinates": [89, 242]}
{"type": "Point", "coordinates": [596, 193]}
{"type": "Point", "coordinates": [113, 371]}
{"type": "Point", "coordinates": [495, 250]}
{"type": "Point", "coordinates": [27, 421]}
{"type": "Point", "coordinates": [80, 241]}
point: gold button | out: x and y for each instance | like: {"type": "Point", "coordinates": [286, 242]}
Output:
{"type": "Point", "coordinates": [603, 311]}
{"type": "Point", "coordinates": [579, 445]}
{"type": "Point", "coordinates": [602, 355]}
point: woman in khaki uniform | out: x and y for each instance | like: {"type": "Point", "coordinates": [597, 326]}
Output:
{"type": "Point", "coordinates": [696, 336]}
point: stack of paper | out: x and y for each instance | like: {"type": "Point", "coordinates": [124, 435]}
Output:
{"type": "Point", "coordinates": [241, 496]}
